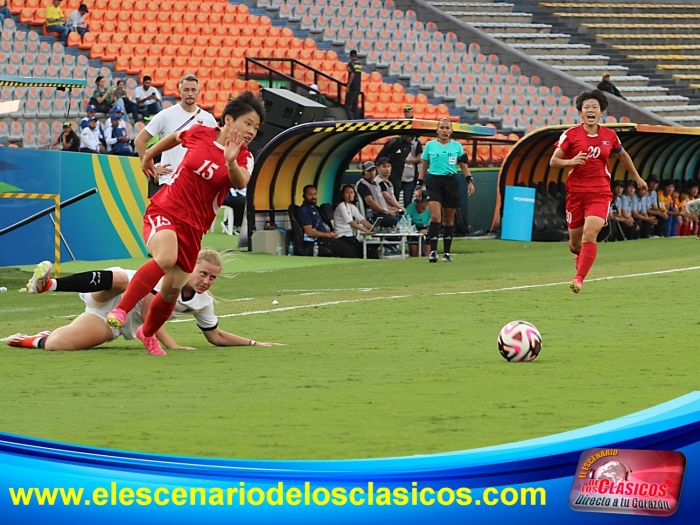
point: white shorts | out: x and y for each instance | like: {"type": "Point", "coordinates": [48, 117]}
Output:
{"type": "Point", "coordinates": [133, 318]}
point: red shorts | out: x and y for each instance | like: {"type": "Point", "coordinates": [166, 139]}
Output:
{"type": "Point", "coordinates": [582, 204]}
{"type": "Point", "coordinates": [189, 239]}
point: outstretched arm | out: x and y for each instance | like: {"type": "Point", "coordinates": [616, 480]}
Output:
{"type": "Point", "coordinates": [626, 161]}
{"type": "Point", "coordinates": [218, 337]}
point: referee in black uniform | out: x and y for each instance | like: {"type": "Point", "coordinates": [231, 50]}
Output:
{"type": "Point", "coordinates": [440, 160]}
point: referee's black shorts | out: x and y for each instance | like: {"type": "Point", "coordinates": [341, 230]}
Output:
{"type": "Point", "coordinates": [443, 189]}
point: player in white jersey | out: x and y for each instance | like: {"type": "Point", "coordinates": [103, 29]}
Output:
{"type": "Point", "coordinates": [101, 290]}
{"type": "Point", "coordinates": [179, 117]}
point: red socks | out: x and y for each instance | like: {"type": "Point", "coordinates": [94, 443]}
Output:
{"type": "Point", "coordinates": [586, 258]}
{"type": "Point", "coordinates": [159, 313]}
{"type": "Point", "coordinates": [141, 285]}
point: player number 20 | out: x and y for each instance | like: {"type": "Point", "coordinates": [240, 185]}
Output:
{"type": "Point", "coordinates": [593, 152]}
{"type": "Point", "coordinates": [207, 169]}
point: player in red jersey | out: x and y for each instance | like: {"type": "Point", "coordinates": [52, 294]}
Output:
{"type": "Point", "coordinates": [180, 214]}
{"type": "Point", "coordinates": [586, 149]}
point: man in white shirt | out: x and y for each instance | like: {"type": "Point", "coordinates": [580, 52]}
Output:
{"type": "Point", "coordinates": [108, 121]}
{"type": "Point", "coordinates": [76, 20]}
{"type": "Point", "coordinates": [148, 98]}
{"type": "Point", "coordinates": [90, 137]}
{"type": "Point", "coordinates": [179, 117]}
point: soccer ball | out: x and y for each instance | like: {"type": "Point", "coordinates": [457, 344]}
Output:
{"type": "Point", "coordinates": [519, 341]}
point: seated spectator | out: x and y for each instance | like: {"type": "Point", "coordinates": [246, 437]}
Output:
{"type": "Point", "coordinates": [103, 97]}
{"type": "Point", "coordinates": [666, 203]}
{"type": "Point", "coordinates": [631, 232]}
{"type": "Point", "coordinates": [638, 203]}
{"type": "Point", "coordinates": [121, 100]}
{"type": "Point", "coordinates": [389, 192]}
{"type": "Point", "coordinates": [316, 231]}
{"type": "Point", "coordinates": [68, 140]}
{"type": "Point", "coordinates": [622, 222]}
{"type": "Point", "coordinates": [148, 99]}
{"type": "Point", "coordinates": [117, 138]}
{"type": "Point", "coordinates": [76, 20]}
{"type": "Point", "coordinates": [5, 11]}
{"type": "Point", "coordinates": [687, 220]}
{"type": "Point", "coordinates": [396, 151]}
{"type": "Point", "coordinates": [371, 194]}
{"type": "Point", "coordinates": [316, 95]}
{"type": "Point", "coordinates": [419, 214]}
{"type": "Point", "coordinates": [348, 219]}
{"type": "Point", "coordinates": [608, 87]}
{"type": "Point", "coordinates": [90, 137]}
{"type": "Point", "coordinates": [108, 121]}
{"type": "Point", "coordinates": [91, 111]}
{"type": "Point", "coordinates": [54, 21]}
{"type": "Point", "coordinates": [236, 200]}
{"type": "Point", "coordinates": [653, 208]}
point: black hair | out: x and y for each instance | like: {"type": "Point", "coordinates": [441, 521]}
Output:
{"type": "Point", "coordinates": [145, 78]}
{"type": "Point", "coordinates": [121, 81]}
{"type": "Point", "coordinates": [97, 80]}
{"type": "Point", "coordinates": [342, 190]}
{"type": "Point", "coordinates": [617, 183]}
{"type": "Point", "coordinates": [595, 94]}
{"type": "Point", "coordinates": [242, 104]}
{"type": "Point", "coordinates": [303, 192]}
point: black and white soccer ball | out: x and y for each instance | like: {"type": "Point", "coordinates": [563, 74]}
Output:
{"type": "Point", "coordinates": [519, 341]}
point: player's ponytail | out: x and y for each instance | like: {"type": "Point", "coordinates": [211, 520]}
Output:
{"type": "Point", "coordinates": [242, 104]}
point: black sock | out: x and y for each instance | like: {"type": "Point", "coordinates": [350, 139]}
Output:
{"type": "Point", "coordinates": [433, 233]}
{"type": "Point", "coordinates": [86, 282]}
{"type": "Point", "coordinates": [41, 342]}
{"type": "Point", "coordinates": [447, 232]}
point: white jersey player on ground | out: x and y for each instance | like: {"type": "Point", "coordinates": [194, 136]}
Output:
{"type": "Point", "coordinates": [179, 117]}
{"type": "Point", "coordinates": [101, 291]}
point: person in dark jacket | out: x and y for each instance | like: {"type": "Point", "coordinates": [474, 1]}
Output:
{"type": "Point", "coordinates": [608, 87]}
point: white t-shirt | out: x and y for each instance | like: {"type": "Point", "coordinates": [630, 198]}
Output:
{"type": "Point", "coordinates": [140, 93]}
{"type": "Point", "coordinates": [201, 306]}
{"type": "Point", "coordinates": [75, 19]}
{"type": "Point", "coordinates": [344, 213]}
{"type": "Point", "coordinates": [171, 120]}
{"type": "Point", "coordinates": [90, 138]}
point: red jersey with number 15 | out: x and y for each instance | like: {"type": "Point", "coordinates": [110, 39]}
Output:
{"type": "Point", "coordinates": [198, 187]}
{"type": "Point", "coordinates": [594, 174]}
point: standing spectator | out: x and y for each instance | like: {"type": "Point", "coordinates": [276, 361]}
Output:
{"type": "Point", "coordinates": [76, 20]}
{"type": "Point", "coordinates": [148, 98]}
{"type": "Point", "coordinates": [103, 97]}
{"type": "Point", "coordinates": [639, 212]}
{"type": "Point", "coordinates": [371, 194]}
{"type": "Point", "coordinates": [179, 117]}
{"type": "Point", "coordinates": [419, 214]}
{"type": "Point", "coordinates": [121, 100]}
{"type": "Point", "coordinates": [5, 11]}
{"type": "Point", "coordinates": [387, 186]}
{"type": "Point", "coordinates": [55, 20]}
{"type": "Point", "coordinates": [68, 140]}
{"type": "Point", "coordinates": [348, 220]}
{"type": "Point", "coordinates": [90, 137]}
{"type": "Point", "coordinates": [608, 87]}
{"type": "Point", "coordinates": [316, 231]}
{"type": "Point", "coordinates": [117, 138]}
{"type": "Point", "coordinates": [354, 86]}
{"type": "Point", "coordinates": [409, 176]}
{"type": "Point", "coordinates": [397, 151]}
{"type": "Point", "coordinates": [653, 208]}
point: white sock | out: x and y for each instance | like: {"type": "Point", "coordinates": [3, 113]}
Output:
{"type": "Point", "coordinates": [52, 285]}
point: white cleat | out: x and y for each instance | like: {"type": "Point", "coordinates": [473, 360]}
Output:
{"type": "Point", "coordinates": [40, 280]}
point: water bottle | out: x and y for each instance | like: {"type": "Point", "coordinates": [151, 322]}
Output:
{"type": "Point", "coordinates": [315, 249]}
{"type": "Point", "coordinates": [2, 289]}
{"type": "Point", "coordinates": [290, 248]}
{"type": "Point", "coordinates": [278, 250]}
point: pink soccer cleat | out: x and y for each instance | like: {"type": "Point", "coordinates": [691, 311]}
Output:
{"type": "Point", "coordinates": [576, 261]}
{"type": "Point", "coordinates": [116, 318]}
{"type": "Point", "coordinates": [576, 285]}
{"type": "Point", "coordinates": [26, 341]}
{"type": "Point", "coordinates": [151, 343]}
{"type": "Point", "coordinates": [41, 280]}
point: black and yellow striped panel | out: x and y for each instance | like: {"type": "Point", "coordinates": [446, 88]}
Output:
{"type": "Point", "coordinates": [41, 82]}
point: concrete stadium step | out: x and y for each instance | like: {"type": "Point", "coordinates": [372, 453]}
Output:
{"type": "Point", "coordinates": [508, 27]}
{"type": "Point", "coordinates": [642, 91]}
{"type": "Point", "coordinates": [689, 120]}
{"type": "Point", "coordinates": [661, 29]}
{"type": "Point", "coordinates": [675, 111]}
{"type": "Point", "coordinates": [472, 17]}
{"type": "Point", "coordinates": [573, 60]}
{"type": "Point", "coordinates": [656, 101]}
{"type": "Point", "coordinates": [532, 38]}
{"type": "Point", "coordinates": [475, 7]}
{"type": "Point", "coordinates": [593, 17]}
{"type": "Point", "coordinates": [617, 37]}
{"type": "Point", "coordinates": [580, 71]}
{"type": "Point", "coordinates": [633, 7]}
{"type": "Point", "coordinates": [682, 60]}
{"type": "Point", "coordinates": [561, 49]}
{"type": "Point", "coordinates": [690, 49]}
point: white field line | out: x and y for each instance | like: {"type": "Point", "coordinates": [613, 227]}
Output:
{"type": "Point", "coordinates": [492, 290]}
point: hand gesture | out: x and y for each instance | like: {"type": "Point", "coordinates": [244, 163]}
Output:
{"type": "Point", "coordinates": [233, 145]}
{"type": "Point", "coordinates": [642, 183]}
{"type": "Point", "coordinates": [163, 169]}
{"type": "Point", "coordinates": [579, 159]}
{"type": "Point", "coordinates": [148, 168]}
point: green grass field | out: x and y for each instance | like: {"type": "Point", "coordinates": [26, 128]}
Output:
{"type": "Point", "coordinates": [384, 358]}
